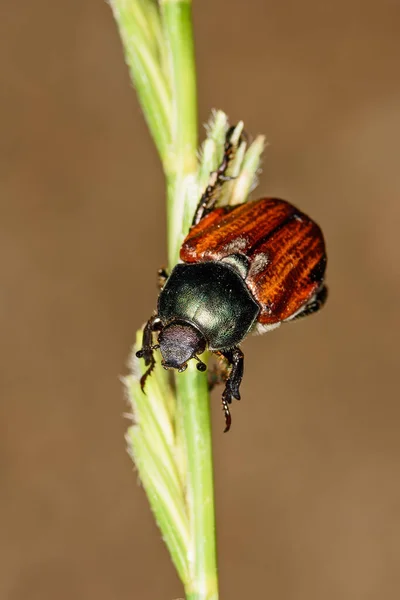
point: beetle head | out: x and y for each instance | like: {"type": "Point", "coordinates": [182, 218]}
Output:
{"type": "Point", "coordinates": [180, 341]}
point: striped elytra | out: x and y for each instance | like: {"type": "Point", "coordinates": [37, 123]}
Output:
{"type": "Point", "coordinates": [282, 249]}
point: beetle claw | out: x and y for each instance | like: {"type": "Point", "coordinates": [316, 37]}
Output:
{"type": "Point", "coordinates": [147, 373]}
{"type": "Point", "coordinates": [227, 412]}
{"type": "Point", "coordinates": [147, 355]}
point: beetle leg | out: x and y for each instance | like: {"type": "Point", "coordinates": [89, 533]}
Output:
{"type": "Point", "coordinates": [210, 196]}
{"type": "Point", "coordinates": [218, 373]}
{"type": "Point", "coordinates": [313, 305]}
{"type": "Point", "coordinates": [227, 413]}
{"type": "Point", "coordinates": [153, 324]}
{"type": "Point", "coordinates": [235, 358]}
{"type": "Point", "coordinates": [162, 277]}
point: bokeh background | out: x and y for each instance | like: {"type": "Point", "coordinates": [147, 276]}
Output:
{"type": "Point", "coordinates": [307, 482]}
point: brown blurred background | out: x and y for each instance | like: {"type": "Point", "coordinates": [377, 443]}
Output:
{"type": "Point", "coordinates": [307, 482]}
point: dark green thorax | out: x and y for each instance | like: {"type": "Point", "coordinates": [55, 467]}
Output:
{"type": "Point", "coordinates": [213, 297]}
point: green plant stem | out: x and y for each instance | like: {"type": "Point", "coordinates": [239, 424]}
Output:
{"type": "Point", "coordinates": [192, 390]}
{"type": "Point", "coordinates": [193, 399]}
{"type": "Point", "coordinates": [150, 82]}
{"type": "Point", "coordinates": [177, 23]}
{"type": "Point", "coordinates": [165, 78]}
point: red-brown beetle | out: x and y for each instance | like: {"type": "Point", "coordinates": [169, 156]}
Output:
{"type": "Point", "coordinates": [245, 268]}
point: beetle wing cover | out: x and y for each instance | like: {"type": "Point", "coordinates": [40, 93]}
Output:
{"type": "Point", "coordinates": [285, 251]}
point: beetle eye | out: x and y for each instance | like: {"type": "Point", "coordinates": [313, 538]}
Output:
{"type": "Point", "coordinates": [201, 366]}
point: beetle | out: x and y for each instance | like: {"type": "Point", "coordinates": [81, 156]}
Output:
{"type": "Point", "coordinates": [245, 268]}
